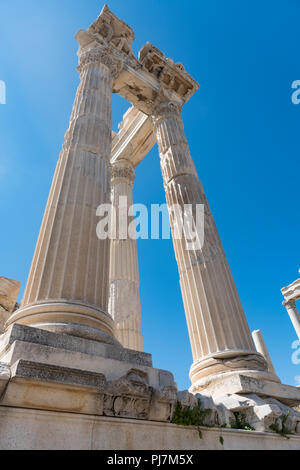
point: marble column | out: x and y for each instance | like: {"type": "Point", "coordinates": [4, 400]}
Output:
{"type": "Point", "coordinates": [294, 315]}
{"type": "Point", "coordinates": [68, 284]}
{"type": "Point", "coordinates": [124, 302]}
{"type": "Point", "coordinates": [261, 347]}
{"type": "Point", "coordinates": [220, 338]}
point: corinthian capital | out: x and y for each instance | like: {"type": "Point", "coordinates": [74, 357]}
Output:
{"type": "Point", "coordinates": [100, 55]}
{"type": "Point", "coordinates": [122, 169]}
{"type": "Point", "coordinates": [289, 304]}
{"type": "Point", "coordinates": [164, 109]}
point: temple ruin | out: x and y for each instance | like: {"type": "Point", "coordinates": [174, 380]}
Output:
{"type": "Point", "coordinates": [73, 368]}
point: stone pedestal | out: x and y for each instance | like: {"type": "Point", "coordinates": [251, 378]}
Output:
{"type": "Point", "coordinates": [68, 284]}
{"type": "Point", "coordinates": [124, 301]}
{"type": "Point", "coordinates": [219, 334]}
{"type": "Point", "coordinates": [43, 370]}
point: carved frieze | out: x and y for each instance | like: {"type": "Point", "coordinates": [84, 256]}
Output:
{"type": "Point", "coordinates": [139, 82]}
{"type": "Point", "coordinates": [129, 396]}
{"type": "Point", "coordinates": [172, 75]}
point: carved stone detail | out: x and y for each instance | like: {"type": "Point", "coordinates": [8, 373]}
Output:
{"type": "Point", "coordinates": [112, 30]}
{"type": "Point", "coordinates": [123, 169]}
{"type": "Point", "coordinates": [129, 396]}
{"type": "Point", "coordinates": [289, 303]}
{"type": "Point", "coordinates": [172, 76]}
{"type": "Point", "coordinates": [164, 108]}
{"type": "Point", "coordinates": [100, 55]}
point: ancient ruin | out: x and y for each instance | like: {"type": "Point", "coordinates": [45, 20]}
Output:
{"type": "Point", "coordinates": [73, 368]}
{"type": "Point", "coordinates": [291, 294]}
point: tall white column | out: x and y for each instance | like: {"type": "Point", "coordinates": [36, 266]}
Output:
{"type": "Point", "coordinates": [219, 334]}
{"type": "Point", "coordinates": [68, 284]}
{"type": "Point", "coordinates": [261, 347]}
{"type": "Point", "coordinates": [294, 315]}
{"type": "Point", "coordinates": [124, 302]}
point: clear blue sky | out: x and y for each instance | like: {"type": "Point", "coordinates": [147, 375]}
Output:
{"type": "Point", "coordinates": [241, 125]}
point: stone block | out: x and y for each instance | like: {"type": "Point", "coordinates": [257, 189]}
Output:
{"type": "Point", "coordinates": [9, 291]}
{"type": "Point", "coordinates": [245, 385]}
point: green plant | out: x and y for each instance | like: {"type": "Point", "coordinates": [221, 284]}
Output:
{"type": "Point", "coordinates": [282, 430]}
{"type": "Point", "coordinates": [221, 439]}
{"type": "Point", "coordinates": [239, 422]}
{"type": "Point", "coordinates": [190, 415]}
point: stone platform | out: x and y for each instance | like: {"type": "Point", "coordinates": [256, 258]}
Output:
{"type": "Point", "coordinates": [57, 385]}
{"type": "Point", "coordinates": [50, 371]}
{"type": "Point", "coordinates": [34, 429]}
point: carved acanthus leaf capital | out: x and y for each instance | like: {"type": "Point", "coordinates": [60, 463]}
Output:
{"type": "Point", "coordinates": [122, 169]}
{"type": "Point", "coordinates": [165, 109]}
{"type": "Point", "coordinates": [100, 55]}
{"type": "Point", "coordinates": [289, 303]}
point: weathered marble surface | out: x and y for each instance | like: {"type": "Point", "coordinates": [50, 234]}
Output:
{"type": "Point", "coordinates": [124, 299]}
{"type": "Point", "coordinates": [291, 294]}
{"type": "Point", "coordinates": [134, 139]}
{"type": "Point", "coordinates": [292, 291]}
{"type": "Point", "coordinates": [48, 371]}
{"type": "Point", "coordinates": [34, 429]}
{"type": "Point", "coordinates": [238, 383]}
{"type": "Point", "coordinates": [22, 335]}
{"type": "Point", "coordinates": [79, 389]}
{"type": "Point", "coordinates": [9, 291]}
{"type": "Point", "coordinates": [261, 347]}
{"type": "Point", "coordinates": [218, 330]}
{"type": "Point", "coordinates": [68, 285]}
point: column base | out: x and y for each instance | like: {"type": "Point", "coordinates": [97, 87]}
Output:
{"type": "Point", "coordinates": [213, 368]}
{"type": "Point", "coordinates": [48, 371]}
{"type": "Point", "coordinates": [71, 318]}
{"type": "Point", "coordinates": [245, 384]}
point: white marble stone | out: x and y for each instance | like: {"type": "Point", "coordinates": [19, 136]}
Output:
{"type": "Point", "coordinates": [49, 430]}
{"type": "Point", "coordinates": [9, 291]}
{"type": "Point", "coordinates": [124, 300]}
{"type": "Point", "coordinates": [294, 315]}
{"type": "Point", "coordinates": [68, 284]}
{"type": "Point", "coordinates": [218, 330]}
{"type": "Point", "coordinates": [134, 139]}
{"type": "Point", "coordinates": [291, 294]}
{"type": "Point", "coordinates": [261, 347]}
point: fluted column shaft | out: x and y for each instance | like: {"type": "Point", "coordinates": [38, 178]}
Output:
{"type": "Point", "coordinates": [261, 347]}
{"type": "Point", "coordinates": [124, 301]}
{"type": "Point", "coordinates": [219, 334]}
{"type": "Point", "coordinates": [294, 315]}
{"type": "Point", "coordinates": [68, 285]}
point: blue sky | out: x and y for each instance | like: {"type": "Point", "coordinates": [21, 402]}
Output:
{"type": "Point", "coordinates": [242, 128]}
